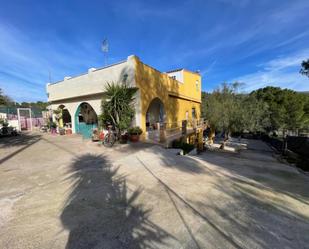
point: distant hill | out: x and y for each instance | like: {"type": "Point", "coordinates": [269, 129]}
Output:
{"type": "Point", "coordinates": [304, 92]}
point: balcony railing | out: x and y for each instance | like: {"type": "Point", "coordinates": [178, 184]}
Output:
{"type": "Point", "coordinates": [167, 132]}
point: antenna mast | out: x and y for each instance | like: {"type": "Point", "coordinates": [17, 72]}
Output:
{"type": "Point", "coordinates": [105, 51]}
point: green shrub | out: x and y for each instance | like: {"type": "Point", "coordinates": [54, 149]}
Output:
{"type": "Point", "coordinates": [4, 122]}
{"type": "Point", "coordinates": [52, 124]}
{"type": "Point", "coordinates": [136, 130]}
{"type": "Point", "coordinates": [184, 146]}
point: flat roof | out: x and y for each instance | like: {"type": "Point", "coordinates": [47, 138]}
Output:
{"type": "Point", "coordinates": [175, 70]}
{"type": "Point", "coordinates": [94, 70]}
{"type": "Point", "coordinates": [180, 69]}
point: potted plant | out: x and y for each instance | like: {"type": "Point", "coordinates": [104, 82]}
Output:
{"type": "Point", "coordinates": [95, 135]}
{"type": "Point", "coordinates": [124, 138]}
{"type": "Point", "coordinates": [134, 133]}
{"type": "Point", "coordinates": [53, 127]}
{"type": "Point", "coordinates": [68, 131]}
{"type": "Point", "coordinates": [5, 127]}
{"type": "Point", "coordinates": [61, 131]}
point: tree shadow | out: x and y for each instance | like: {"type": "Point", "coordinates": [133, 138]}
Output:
{"type": "Point", "coordinates": [262, 201]}
{"type": "Point", "coordinates": [257, 221]}
{"type": "Point", "coordinates": [21, 142]}
{"type": "Point", "coordinates": [262, 171]}
{"type": "Point", "coordinates": [169, 159]}
{"type": "Point", "coordinates": [102, 212]}
{"type": "Point", "coordinates": [173, 194]}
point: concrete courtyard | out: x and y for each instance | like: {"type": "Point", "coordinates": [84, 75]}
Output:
{"type": "Point", "coordinates": [65, 192]}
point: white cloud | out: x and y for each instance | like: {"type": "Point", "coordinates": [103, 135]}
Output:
{"type": "Point", "coordinates": [282, 72]}
{"type": "Point", "coordinates": [281, 63]}
{"type": "Point", "coordinates": [286, 14]}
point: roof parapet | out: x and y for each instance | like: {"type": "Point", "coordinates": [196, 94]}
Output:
{"type": "Point", "coordinates": [92, 69]}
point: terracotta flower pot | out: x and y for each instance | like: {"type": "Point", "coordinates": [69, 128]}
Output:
{"type": "Point", "coordinates": [69, 131]}
{"type": "Point", "coordinates": [101, 136]}
{"type": "Point", "coordinates": [134, 138]}
{"type": "Point", "coordinates": [62, 131]}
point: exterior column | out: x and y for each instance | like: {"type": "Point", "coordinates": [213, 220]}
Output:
{"type": "Point", "coordinates": [61, 119]}
{"type": "Point", "coordinates": [72, 110]}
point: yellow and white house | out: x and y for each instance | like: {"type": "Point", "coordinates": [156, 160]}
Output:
{"type": "Point", "coordinates": [162, 99]}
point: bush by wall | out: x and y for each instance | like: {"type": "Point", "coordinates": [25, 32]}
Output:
{"type": "Point", "coordinates": [184, 146]}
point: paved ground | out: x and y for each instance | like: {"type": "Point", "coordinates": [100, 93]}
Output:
{"type": "Point", "coordinates": [62, 192]}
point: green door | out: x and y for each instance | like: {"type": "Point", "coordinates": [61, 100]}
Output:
{"type": "Point", "coordinates": [82, 127]}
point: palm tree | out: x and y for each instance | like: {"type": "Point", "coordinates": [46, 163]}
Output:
{"type": "Point", "coordinates": [117, 105]}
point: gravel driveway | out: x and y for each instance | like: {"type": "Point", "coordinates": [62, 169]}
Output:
{"type": "Point", "coordinates": [63, 192]}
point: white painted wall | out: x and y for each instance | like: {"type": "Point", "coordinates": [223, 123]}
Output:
{"type": "Point", "coordinates": [177, 74]}
{"type": "Point", "coordinates": [71, 106]}
{"type": "Point", "coordinates": [89, 88]}
{"type": "Point", "coordinates": [92, 82]}
{"type": "Point", "coordinates": [3, 115]}
{"type": "Point", "coordinates": [14, 123]}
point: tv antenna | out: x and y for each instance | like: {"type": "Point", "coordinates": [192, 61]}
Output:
{"type": "Point", "coordinates": [105, 51]}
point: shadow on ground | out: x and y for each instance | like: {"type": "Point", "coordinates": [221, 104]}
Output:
{"type": "Point", "coordinates": [270, 199]}
{"type": "Point", "coordinates": [263, 171]}
{"type": "Point", "coordinates": [256, 221]}
{"type": "Point", "coordinates": [169, 159]}
{"type": "Point", "coordinates": [101, 212]}
{"type": "Point", "coordinates": [173, 195]}
{"type": "Point", "coordinates": [21, 142]}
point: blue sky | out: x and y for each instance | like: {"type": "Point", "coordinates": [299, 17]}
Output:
{"type": "Point", "coordinates": [258, 43]}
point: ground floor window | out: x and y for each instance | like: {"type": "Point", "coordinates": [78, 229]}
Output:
{"type": "Point", "coordinates": [193, 113]}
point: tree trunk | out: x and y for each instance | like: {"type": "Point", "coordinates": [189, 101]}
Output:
{"type": "Point", "coordinates": [212, 135]}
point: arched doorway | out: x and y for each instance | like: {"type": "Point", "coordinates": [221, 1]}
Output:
{"type": "Point", "coordinates": [155, 114]}
{"type": "Point", "coordinates": [155, 118]}
{"type": "Point", "coordinates": [65, 117]}
{"type": "Point", "coordinates": [85, 120]}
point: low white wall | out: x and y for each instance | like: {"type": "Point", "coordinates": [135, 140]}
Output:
{"type": "Point", "coordinates": [92, 82]}
{"type": "Point", "coordinates": [14, 123]}
{"type": "Point", "coordinates": [178, 75]}
{"type": "Point", "coordinates": [89, 88]}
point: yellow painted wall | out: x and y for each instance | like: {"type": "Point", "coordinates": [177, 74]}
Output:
{"type": "Point", "coordinates": [154, 84]}
{"type": "Point", "coordinates": [189, 87]}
